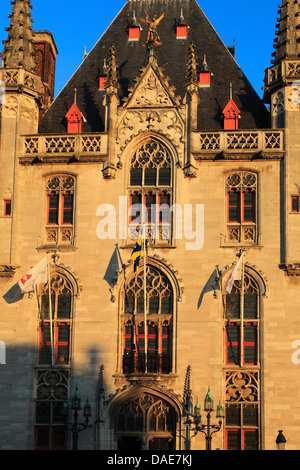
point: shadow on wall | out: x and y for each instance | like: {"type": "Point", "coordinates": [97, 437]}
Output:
{"type": "Point", "coordinates": [29, 391]}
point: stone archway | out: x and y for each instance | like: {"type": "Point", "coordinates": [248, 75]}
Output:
{"type": "Point", "coordinates": [147, 422]}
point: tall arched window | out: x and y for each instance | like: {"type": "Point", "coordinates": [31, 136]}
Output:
{"type": "Point", "coordinates": [241, 191]}
{"type": "Point", "coordinates": [159, 328]}
{"type": "Point", "coordinates": [57, 340]}
{"type": "Point", "coordinates": [60, 210]}
{"type": "Point", "coordinates": [55, 325]}
{"type": "Point", "coordinates": [242, 365]}
{"type": "Point", "coordinates": [151, 191]}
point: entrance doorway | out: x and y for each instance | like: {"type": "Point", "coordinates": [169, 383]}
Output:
{"type": "Point", "coordinates": [146, 422]}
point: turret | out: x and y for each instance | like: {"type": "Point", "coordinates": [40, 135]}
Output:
{"type": "Point", "coordinates": [282, 93]}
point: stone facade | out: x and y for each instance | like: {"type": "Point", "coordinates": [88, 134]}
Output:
{"type": "Point", "coordinates": [70, 196]}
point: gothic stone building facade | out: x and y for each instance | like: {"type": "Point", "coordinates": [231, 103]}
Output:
{"type": "Point", "coordinates": [159, 115]}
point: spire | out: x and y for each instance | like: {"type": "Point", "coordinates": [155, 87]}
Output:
{"type": "Point", "coordinates": [18, 48]}
{"type": "Point", "coordinates": [287, 42]}
{"type": "Point", "coordinates": [191, 75]}
{"type": "Point", "coordinates": [112, 71]}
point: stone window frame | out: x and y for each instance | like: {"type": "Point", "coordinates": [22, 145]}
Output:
{"type": "Point", "coordinates": [60, 233]}
{"type": "Point", "coordinates": [158, 232]}
{"type": "Point", "coordinates": [160, 287]}
{"type": "Point", "coordinates": [60, 286]}
{"type": "Point", "coordinates": [242, 232]}
{"type": "Point", "coordinates": [242, 381]}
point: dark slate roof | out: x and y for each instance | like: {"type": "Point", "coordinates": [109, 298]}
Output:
{"type": "Point", "coordinates": [172, 56]}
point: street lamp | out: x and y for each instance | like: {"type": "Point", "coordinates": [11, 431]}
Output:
{"type": "Point", "coordinates": [280, 441]}
{"type": "Point", "coordinates": [208, 429]}
{"type": "Point", "coordinates": [76, 427]}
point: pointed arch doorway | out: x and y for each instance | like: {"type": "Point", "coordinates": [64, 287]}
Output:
{"type": "Point", "coordinates": [146, 422]}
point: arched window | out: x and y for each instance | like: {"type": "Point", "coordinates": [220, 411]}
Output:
{"type": "Point", "coordinates": [242, 365]}
{"type": "Point", "coordinates": [159, 314]}
{"type": "Point", "coordinates": [241, 191]}
{"type": "Point", "coordinates": [61, 305]}
{"type": "Point", "coordinates": [60, 210]}
{"type": "Point", "coordinates": [148, 419]}
{"type": "Point", "coordinates": [151, 191]}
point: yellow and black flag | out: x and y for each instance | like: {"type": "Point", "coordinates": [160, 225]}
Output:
{"type": "Point", "coordinates": [136, 252]}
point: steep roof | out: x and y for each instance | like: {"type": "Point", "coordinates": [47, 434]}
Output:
{"type": "Point", "coordinates": [172, 56]}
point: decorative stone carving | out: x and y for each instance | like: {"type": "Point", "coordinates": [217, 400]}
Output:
{"type": "Point", "coordinates": [293, 96]}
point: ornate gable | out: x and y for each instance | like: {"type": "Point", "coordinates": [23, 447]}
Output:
{"type": "Point", "coordinates": [151, 106]}
{"type": "Point", "coordinates": [152, 90]}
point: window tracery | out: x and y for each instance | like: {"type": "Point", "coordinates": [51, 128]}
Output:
{"type": "Point", "coordinates": [60, 191]}
{"type": "Point", "coordinates": [61, 308]}
{"type": "Point", "coordinates": [241, 190]}
{"type": "Point", "coordinates": [147, 414]}
{"type": "Point", "coordinates": [242, 362]}
{"type": "Point", "coordinates": [159, 326]}
{"type": "Point", "coordinates": [151, 191]}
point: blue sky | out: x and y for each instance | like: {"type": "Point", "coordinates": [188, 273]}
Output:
{"type": "Point", "coordinates": [76, 24]}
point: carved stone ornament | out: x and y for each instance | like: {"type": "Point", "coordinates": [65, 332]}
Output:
{"type": "Point", "coordinates": [152, 91]}
{"type": "Point", "coordinates": [7, 270]}
{"type": "Point", "coordinates": [293, 96]}
{"type": "Point", "coordinates": [165, 122]}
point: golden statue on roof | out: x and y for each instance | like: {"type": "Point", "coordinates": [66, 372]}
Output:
{"type": "Point", "coordinates": [153, 37]}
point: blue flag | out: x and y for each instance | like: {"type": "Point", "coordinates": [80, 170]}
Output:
{"type": "Point", "coordinates": [136, 253]}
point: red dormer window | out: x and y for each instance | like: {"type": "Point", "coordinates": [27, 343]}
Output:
{"type": "Point", "coordinates": [181, 31]}
{"type": "Point", "coordinates": [74, 118]}
{"type": "Point", "coordinates": [231, 116]}
{"type": "Point", "coordinates": [102, 80]}
{"type": "Point", "coordinates": [204, 78]}
{"type": "Point", "coordinates": [133, 33]}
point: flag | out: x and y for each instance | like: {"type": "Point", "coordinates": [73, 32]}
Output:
{"type": "Point", "coordinates": [236, 274]}
{"type": "Point", "coordinates": [136, 253]}
{"type": "Point", "coordinates": [35, 275]}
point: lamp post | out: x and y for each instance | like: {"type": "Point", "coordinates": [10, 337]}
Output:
{"type": "Point", "coordinates": [195, 414]}
{"type": "Point", "coordinates": [76, 427]}
{"type": "Point", "coordinates": [280, 441]}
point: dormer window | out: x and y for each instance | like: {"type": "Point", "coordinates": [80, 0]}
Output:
{"type": "Point", "coordinates": [204, 75]}
{"type": "Point", "coordinates": [133, 33]}
{"type": "Point", "coordinates": [231, 116]}
{"type": "Point", "coordinates": [102, 80]}
{"type": "Point", "coordinates": [181, 31]}
{"type": "Point", "coordinates": [74, 118]}
{"type": "Point", "coordinates": [181, 28]}
{"type": "Point", "coordinates": [134, 29]}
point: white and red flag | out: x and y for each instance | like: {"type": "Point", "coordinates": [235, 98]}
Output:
{"type": "Point", "coordinates": [236, 274]}
{"type": "Point", "coordinates": [36, 275]}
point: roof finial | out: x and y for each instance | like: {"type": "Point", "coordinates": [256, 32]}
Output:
{"type": "Point", "coordinates": [134, 20]}
{"type": "Point", "coordinates": [230, 91]}
{"type": "Point", "coordinates": [75, 95]}
{"type": "Point", "coordinates": [181, 19]}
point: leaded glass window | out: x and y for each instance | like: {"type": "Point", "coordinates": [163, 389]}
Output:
{"type": "Point", "coordinates": [151, 191]}
{"type": "Point", "coordinates": [159, 326]}
{"type": "Point", "coordinates": [61, 303]}
{"type": "Point", "coordinates": [60, 209]}
{"type": "Point", "coordinates": [241, 192]}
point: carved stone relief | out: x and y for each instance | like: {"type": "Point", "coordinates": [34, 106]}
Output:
{"type": "Point", "coordinates": [166, 122]}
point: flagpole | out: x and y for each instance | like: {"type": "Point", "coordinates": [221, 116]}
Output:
{"type": "Point", "coordinates": [242, 313]}
{"type": "Point", "coordinates": [145, 298]}
{"type": "Point", "coordinates": [50, 312]}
